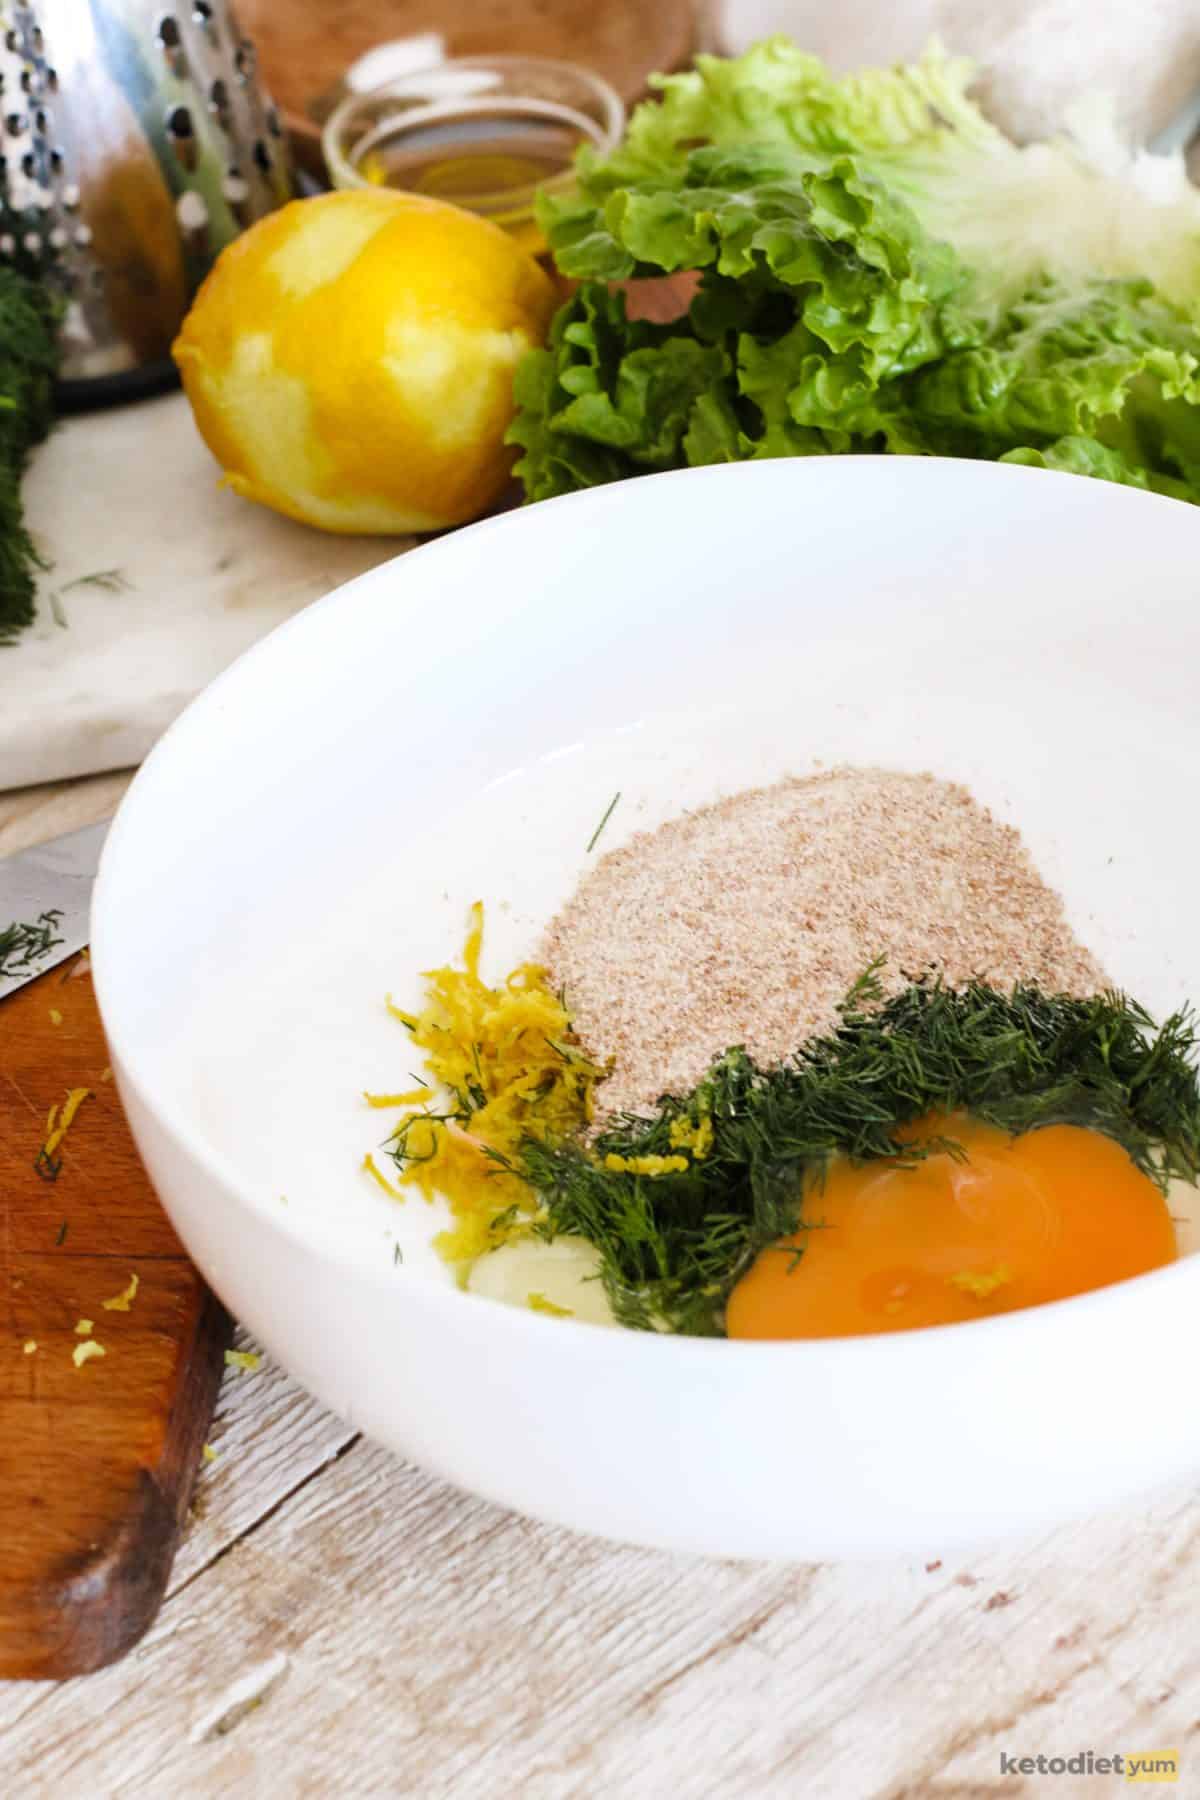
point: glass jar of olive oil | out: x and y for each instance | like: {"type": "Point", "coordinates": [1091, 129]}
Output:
{"type": "Point", "coordinates": [483, 132]}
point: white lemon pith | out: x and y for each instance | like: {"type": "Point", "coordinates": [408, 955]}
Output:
{"type": "Point", "coordinates": [350, 360]}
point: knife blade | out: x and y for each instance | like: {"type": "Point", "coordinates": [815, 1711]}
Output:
{"type": "Point", "coordinates": [52, 879]}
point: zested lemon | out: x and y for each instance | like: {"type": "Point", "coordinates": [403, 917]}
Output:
{"type": "Point", "coordinates": [349, 360]}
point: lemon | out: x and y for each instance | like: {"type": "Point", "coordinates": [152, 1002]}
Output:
{"type": "Point", "coordinates": [349, 360]}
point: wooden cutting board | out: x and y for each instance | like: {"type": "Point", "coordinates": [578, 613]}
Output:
{"type": "Point", "coordinates": [97, 1462]}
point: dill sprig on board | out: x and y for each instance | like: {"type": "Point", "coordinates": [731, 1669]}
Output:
{"type": "Point", "coordinates": [21, 945]}
{"type": "Point", "coordinates": [672, 1245]}
{"type": "Point", "coordinates": [28, 363]}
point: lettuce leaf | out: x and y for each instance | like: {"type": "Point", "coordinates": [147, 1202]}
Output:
{"type": "Point", "coordinates": [880, 269]}
{"type": "Point", "coordinates": [1083, 204]}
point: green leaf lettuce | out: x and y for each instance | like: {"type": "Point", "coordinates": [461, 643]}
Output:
{"type": "Point", "coordinates": [878, 268]}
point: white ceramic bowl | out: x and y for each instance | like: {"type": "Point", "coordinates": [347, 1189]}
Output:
{"type": "Point", "coordinates": [1037, 634]}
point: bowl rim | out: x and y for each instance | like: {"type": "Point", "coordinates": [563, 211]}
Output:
{"type": "Point", "coordinates": [218, 1166]}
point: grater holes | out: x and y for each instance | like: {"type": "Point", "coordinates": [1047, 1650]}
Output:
{"type": "Point", "coordinates": [182, 132]}
{"type": "Point", "coordinates": [26, 81]}
{"type": "Point", "coordinates": [37, 39]}
{"type": "Point", "coordinates": [50, 80]}
{"type": "Point", "coordinates": [218, 100]}
{"type": "Point", "coordinates": [191, 209]}
{"type": "Point", "coordinates": [29, 167]}
{"type": "Point", "coordinates": [14, 123]}
{"type": "Point", "coordinates": [261, 156]}
{"type": "Point", "coordinates": [273, 124]}
{"type": "Point", "coordinates": [171, 45]}
{"type": "Point", "coordinates": [243, 62]}
{"type": "Point", "coordinates": [12, 41]}
{"type": "Point", "coordinates": [41, 122]}
{"type": "Point", "coordinates": [58, 161]}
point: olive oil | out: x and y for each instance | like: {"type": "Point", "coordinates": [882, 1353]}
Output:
{"type": "Point", "coordinates": [491, 166]}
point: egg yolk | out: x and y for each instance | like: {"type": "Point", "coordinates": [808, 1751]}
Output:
{"type": "Point", "coordinates": [1013, 1222]}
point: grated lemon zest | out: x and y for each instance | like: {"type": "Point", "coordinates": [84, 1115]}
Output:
{"type": "Point", "coordinates": [646, 1165]}
{"type": "Point", "coordinates": [697, 1138]}
{"type": "Point", "coordinates": [376, 1173]}
{"type": "Point", "coordinates": [84, 1352]}
{"type": "Point", "coordinates": [29, 1346]}
{"type": "Point", "coordinates": [84, 1327]}
{"type": "Point", "coordinates": [242, 1359]}
{"type": "Point", "coordinates": [55, 1016]}
{"type": "Point", "coordinates": [124, 1300]}
{"type": "Point", "coordinates": [538, 1303]}
{"type": "Point", "coordinates": [411, 1098]}
{"type": "Point", "coordinates": [508, 1058]}
{"type": "Point", "coordinates": [56, 1132]}
{"type": "Point", "coordinates": [209, 1454]}
{"type": "Point", "coordinates": [980, 1287]}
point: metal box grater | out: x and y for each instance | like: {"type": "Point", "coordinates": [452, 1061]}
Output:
{"type": "Point", "coordinates": [136, 143]}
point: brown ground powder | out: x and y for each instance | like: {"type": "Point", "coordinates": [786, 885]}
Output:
{"type": "Point", "coordinates": [746, 922]}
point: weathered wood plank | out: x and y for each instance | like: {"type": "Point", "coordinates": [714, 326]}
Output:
{"type": "Point", "coordinates": [381, 1634]}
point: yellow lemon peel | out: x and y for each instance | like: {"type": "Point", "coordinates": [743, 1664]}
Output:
{"type": "Point", "coordinates": [349, 360]}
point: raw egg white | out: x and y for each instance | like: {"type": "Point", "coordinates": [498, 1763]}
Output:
{"type": "Point", "coordinates": [1013, 1222]}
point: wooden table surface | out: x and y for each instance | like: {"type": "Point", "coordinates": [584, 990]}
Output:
{"type": "Point", "coordinates": [338, 1623]}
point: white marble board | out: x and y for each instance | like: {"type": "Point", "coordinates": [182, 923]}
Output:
{"type": "Point", "coordinates": [203, 575]}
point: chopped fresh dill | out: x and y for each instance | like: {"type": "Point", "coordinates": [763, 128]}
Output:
{"type": "Point", "coordinates": [21, 946]}
{"type": "Point", "coordinates": [608, 813]}
{"type": "Point", "coordinates": [29, 356]}
{"type": "Point", "coordinates": [109, 581]}
{"type": "Point", "coordinates": [673, 1244]}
